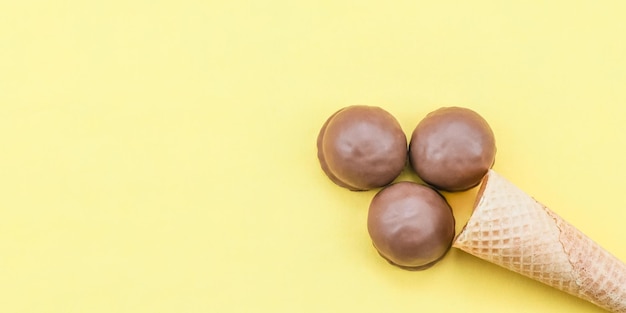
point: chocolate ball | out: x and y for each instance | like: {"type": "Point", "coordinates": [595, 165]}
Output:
{"type": "Point", "coordinates": [452, 149]}
{"type": "Point", "coordinates": [411, 225]}
{"type": "Point", "coordinates": [362, 147]}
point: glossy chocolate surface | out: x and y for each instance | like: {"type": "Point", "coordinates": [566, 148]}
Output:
{"type": "Point", "coordinates": [411, 225]}
{"type": "Point", "coordinates": [362, 147]}
{"type": "Point", "coordinates": [452, 149]}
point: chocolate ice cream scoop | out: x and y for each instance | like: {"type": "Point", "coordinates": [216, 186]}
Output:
{"type": "Point", "coordinates": [452, 149]}
{"type": "Point", "coordinates": [362, 147]}
{"type": "Point", "coordinates": [411, 225]}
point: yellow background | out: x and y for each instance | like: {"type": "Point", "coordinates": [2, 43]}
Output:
{"type": "Point", "coordinates": [159, 156]}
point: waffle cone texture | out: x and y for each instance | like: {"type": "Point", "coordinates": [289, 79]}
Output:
{"type": "Point", "coordinates": [509, 228]}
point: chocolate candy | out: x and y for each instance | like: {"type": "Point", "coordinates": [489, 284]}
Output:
{"type": "Point", "coordinates": [452, 149]}
{"type": "Point", "coordinates": [362, 147]}
{"type": "Point", "coordinates": [411, 225]}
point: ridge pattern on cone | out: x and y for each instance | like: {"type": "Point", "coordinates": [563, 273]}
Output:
{"type": "Point", "coordinates": [511, 229]}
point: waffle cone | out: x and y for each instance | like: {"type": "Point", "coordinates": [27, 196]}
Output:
{"type": "Point", "coordinates": [511, 229]}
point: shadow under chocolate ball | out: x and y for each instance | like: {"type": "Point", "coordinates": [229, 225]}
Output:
{"type": "Point", "coordinates": [411, 225]}
{"type": "Point", "coordinates": [452, 149]}
{"type": "Point", "coordinates": [362, 147]}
